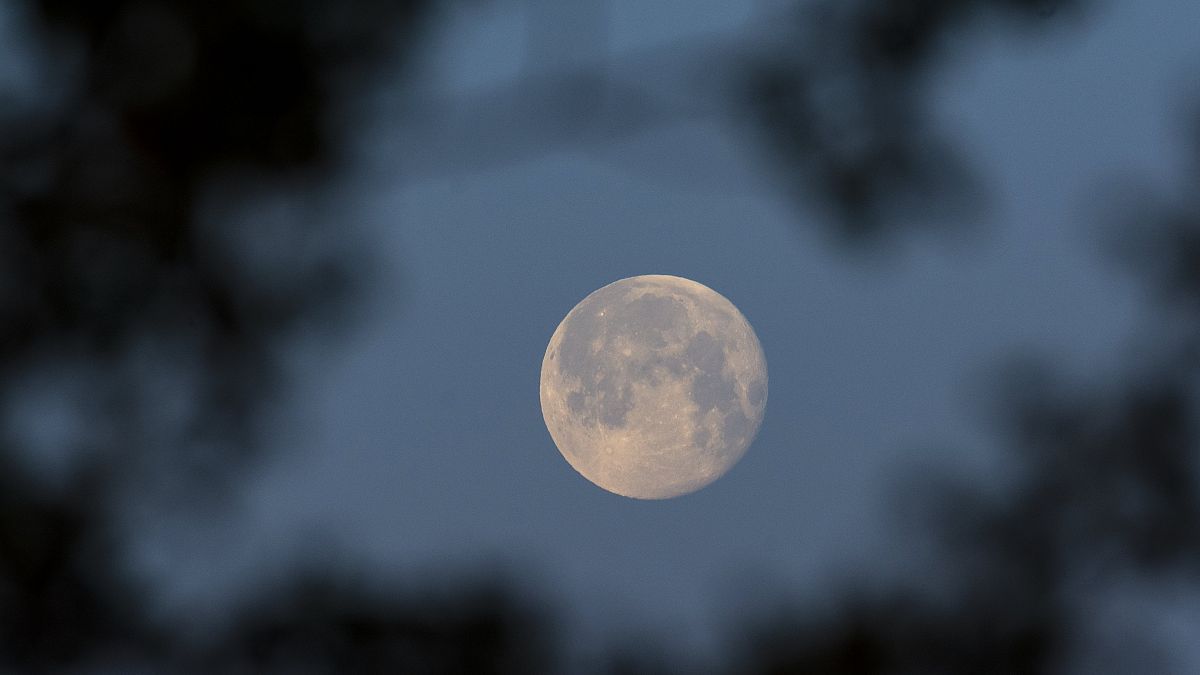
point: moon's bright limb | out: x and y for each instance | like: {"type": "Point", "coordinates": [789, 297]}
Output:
{"type": "Point", "coordinates": [653, 386]}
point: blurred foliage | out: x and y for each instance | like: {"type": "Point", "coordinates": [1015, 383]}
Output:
{"type": "Point", "coordinates": [842, 108]}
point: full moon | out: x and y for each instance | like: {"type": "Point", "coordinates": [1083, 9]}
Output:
{"type": "Point", "coordinates": [653, 386]}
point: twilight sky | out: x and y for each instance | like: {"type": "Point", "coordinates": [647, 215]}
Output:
{"type": "Point", "coordinates": [416, 443]}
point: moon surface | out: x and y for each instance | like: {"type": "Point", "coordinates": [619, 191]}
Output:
{"type": "Point", "coordinates": [653, 386]}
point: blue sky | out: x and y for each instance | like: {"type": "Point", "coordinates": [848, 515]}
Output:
{"type": "Point", "coordinates": [416, 443]}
